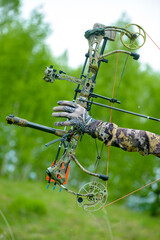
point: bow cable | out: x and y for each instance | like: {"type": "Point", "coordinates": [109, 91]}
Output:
{"type": "Point", "coordinates": [131, 193]}
{"type": "Point", "coordinates": [153, 41]}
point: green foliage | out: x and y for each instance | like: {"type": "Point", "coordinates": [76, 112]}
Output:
{"type": "Point", "coordinates": [60, 217]}
{"type": "Point", "coordinates": [26, 207]}
{"type": "Point", "coordinates": [23, 57]}
{"type": "Point", "coordinates": [9, 10]}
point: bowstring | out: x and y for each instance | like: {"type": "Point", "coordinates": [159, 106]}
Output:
{"type": "Point", "coordinates": [110, 118]}
{"type": "Point", "coordinates": [131, 193]}
{"type": "Point", "coordinates": [146, 185]}
{"type": "Point", "coordinates": [152, 41]}
{"type": "Point", "coordinates": [116, 98]}
{"type": "Point", "coordinates": [121, 76]}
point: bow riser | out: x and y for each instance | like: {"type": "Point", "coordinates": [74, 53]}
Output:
{"type": "Point", "coordinates": [88, 85]}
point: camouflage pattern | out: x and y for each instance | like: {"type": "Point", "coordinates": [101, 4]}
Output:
{"type": "Point", "coordinates": [76, 114]}
{"type": "Point", "coordinates": [130, 140]}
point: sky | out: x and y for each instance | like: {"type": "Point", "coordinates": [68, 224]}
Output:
{"type": "Point", "coordinates": [69, 19]}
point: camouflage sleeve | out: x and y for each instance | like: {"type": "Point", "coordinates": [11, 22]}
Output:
{"type": "Point", "coordinates": [130, 140]}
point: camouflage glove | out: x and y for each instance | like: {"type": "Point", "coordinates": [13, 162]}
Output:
{"type": "Point", "coordinates": [77, 115]}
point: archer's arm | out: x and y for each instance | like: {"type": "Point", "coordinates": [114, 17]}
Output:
{"type": "Point", "coordinates": [130, 140]}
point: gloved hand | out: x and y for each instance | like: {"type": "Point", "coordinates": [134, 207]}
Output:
{"type": "Point", "coordinates": [76, 114]}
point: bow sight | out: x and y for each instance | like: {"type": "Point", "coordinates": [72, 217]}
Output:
{"type": "Point", "coordinates": [92, 196]}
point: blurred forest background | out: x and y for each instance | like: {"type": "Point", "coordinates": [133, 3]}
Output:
{"type": "Point", "coordinates": [24, 55]}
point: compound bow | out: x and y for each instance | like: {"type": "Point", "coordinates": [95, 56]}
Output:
{"type": "Point", "coordinates": [92, 196]}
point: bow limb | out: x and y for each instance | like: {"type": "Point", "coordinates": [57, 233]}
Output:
{"type": "Point", "coordinates": [101, 176]}
{"type": "Point", "coordinates": [134, 55]}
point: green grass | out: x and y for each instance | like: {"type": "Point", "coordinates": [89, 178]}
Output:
{"type": "Point", "coordinates": [33, 212]}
